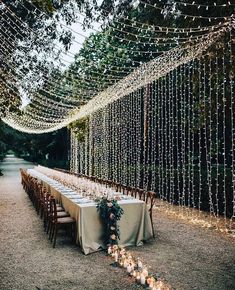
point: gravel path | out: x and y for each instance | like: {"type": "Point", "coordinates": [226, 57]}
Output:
{"type": "Point", "coordinates": [188, 257]}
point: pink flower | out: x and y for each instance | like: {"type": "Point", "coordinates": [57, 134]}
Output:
{"type": "Point", "coordinates": [109, 204]}
{"type": "Point", "coordinates": [150, 280]}
{"type": "Point", "coordinates": [122, 252]}
{"type": "Point", "coordinates": [112, 216]}
{"type": "Point", "coordinates": [113, 237]}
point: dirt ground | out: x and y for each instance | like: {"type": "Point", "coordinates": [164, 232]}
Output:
{"type": "Point", "coordinates": [186, 256]}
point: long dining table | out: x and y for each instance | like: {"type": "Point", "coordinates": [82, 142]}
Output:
{"type": "Point", "coordinates": [135, 224]}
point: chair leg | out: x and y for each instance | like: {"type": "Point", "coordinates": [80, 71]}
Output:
{"type": "Point", "coordinates": [153, 231]}
{"type": "Point", "coordinates": [71, 231]}
{"type": "Point", "coordinates": [73, 228]}
{"type": "Point", "coordinates": [55, 235]}
{"type": "Point", "coordinates": [49, 225]}
{"type": "Point", "coordinates": [51, 231]}
{"type": "Point", "coordinates": [151, 218]}
{"type": "Point", "coordinates": [37, 206]}
{"type": "Point", "coordinates": [45, 221]}
{"type": "Point", "coordinates": [41, 212]}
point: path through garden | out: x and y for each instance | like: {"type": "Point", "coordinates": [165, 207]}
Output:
{"type": "Point", "coordinates": [188, 257]}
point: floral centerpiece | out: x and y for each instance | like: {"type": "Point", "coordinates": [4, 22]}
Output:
{"type": "Point", "coordinates": [110, 212]}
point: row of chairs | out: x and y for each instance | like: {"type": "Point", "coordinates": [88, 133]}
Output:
{"type": "Point", "coordinates": [53, 214]}
{"type": "Point", "coordinates": [149, 197]}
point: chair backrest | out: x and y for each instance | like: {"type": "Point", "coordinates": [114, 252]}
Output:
{"type": "Point", "coordinates": [134, 191]}
{"type": "Point", "coordinates": [117, 186]}
{"type": "Point", "coordinates": [150, 198]}
{"type": "Point", "coordinates": [43, 194]}
{"type": "Point", "coordinates": [109, 183]}
{"type": "Point", "coordinates": [46, 203]}
{"type": "Point", "coordinates": [53, 210]}
{"type": "Point", "coordinates": [39, 188]}
{"type": "Point", "coordinates": [141, 194]}
{"type": "Point", "coordinates": [23, 174]}
{"type": "Point", "coordinates": [128, 190]}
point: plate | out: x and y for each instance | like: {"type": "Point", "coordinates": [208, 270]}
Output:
{"type": "Point", "coordinates": [81, 201]}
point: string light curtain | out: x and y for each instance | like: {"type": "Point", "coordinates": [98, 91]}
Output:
{"type": "Point", "coordinates": [174, 135]}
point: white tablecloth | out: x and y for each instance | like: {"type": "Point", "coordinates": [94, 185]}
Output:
{"type": "Point", "coordinates": [135, 224]}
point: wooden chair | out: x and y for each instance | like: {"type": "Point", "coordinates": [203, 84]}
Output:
{"type": "Point", "coordinates": [105, 182]}
{"type": "Point", "coordinates": [32, 189]}
{"type": "Point", "coordinates": [92, 178]}
{"type": "Point", "coordinates": [140, 194]}
{"type": "Point", "coordinates": [151, 198]}
{"type": "Point", "coordinates": [27, 183]}
{"type": "Point", "coordinates": [122, 188]}
{"type": "Point", "coordinates": [117, 186]}
{"type": "Point", "coordinates": [23, 174]}
{"type": "Point", "coordinates": [127, 190]}
{"type": "Point", "coordinates": [134, 191]}
{"type": "Point", "coordinates": [109, 183]}
{"type": "Point", "coordinates": [58, 222]}
{"type": "Point", "coordinates": [60, 212]}
{"type": "Point", "coordinates": [42, 201]}
{"type": "Point", "coordinates": [46, 210]}
{"type": "Point", "coordinates": [37, 196]}
{"type": "Point", "coordinates": [28, 186]}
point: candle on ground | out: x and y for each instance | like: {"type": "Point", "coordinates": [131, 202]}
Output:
{"type": "Point", "coordinates": [142, 279]}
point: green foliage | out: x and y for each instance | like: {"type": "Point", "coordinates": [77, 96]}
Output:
{"type": "Point", "coordinates": [47, 5]}
{"type": "Point", "coordinates": [80, 128]}
{"type": "Point", "coordinates": [110, 212]}
{"type": "Point", "coordinates": [47, 149]}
